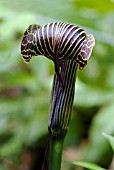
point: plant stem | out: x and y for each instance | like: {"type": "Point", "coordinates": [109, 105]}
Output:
{"type": "Point", "coordinates": [60, 111]}
{"type": "Point", "coordinates": [55, 155]}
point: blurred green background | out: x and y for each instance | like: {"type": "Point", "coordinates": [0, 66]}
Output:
{"type": "Point", "coordinates": [25, 90]}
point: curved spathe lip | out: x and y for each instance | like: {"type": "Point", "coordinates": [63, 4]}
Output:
{"type": "Point", "coordinates": [87, 47]}
{"type": "Point", "coordinates": [26, 58]}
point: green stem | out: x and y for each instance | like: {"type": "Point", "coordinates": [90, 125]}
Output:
{"type": "Point", "coordinates": [60, 111]}
{"type": "Point", "coordinates": [55, 155]}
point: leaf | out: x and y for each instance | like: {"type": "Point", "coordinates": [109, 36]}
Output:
{"type": "Point", "coordinates": [90, 96]}
{"type": "Point", "coordinates": [88, 165]}
{"type": "Point", "coordinates": [99, 150]}
{"type": "Point", "coordinates": [110, 139]}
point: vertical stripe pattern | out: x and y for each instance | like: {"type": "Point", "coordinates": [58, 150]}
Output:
{"type": "Point", "coordinates": [62, 100]}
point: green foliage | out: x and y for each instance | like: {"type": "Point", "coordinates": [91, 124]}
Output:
{"type": "Point", "coordinates": [110, 139]}
{"type": "Point", "coordinates": [99, 146]}
{"type": "Point", "coordinates": [88, 165]}
{"type": "Point", "coordinates": [25, 89]}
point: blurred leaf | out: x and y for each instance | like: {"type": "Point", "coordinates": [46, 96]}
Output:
{"type": "Point", "coordinates": [108, 5]}
{"type": "Point", "coordinates": [110, 139]}
{"type": "Point", "coordinates": [12, 147]}
{"type": "Point", "coordinates": [88, 165]}
{"type": "Point", "coordinates": [99, 150]}
{"type": "Point", "coordinates": [89, 96]}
